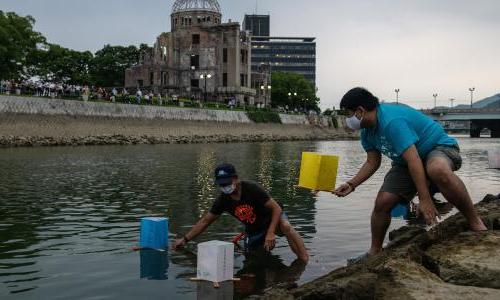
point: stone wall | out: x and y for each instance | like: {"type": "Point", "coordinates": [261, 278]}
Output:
{"type": "Point", "coordinates": [26, 105]}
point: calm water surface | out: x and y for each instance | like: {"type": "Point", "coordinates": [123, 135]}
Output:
{"type": "Point", "coordinates": [69, 216]}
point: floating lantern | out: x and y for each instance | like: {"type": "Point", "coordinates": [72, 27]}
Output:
{"type": "Point", "coordinates": [215, 261]}
{"type": "Point", "coordinates": [494, 159]}
{"type": "Point", "coordinates": [154, 233]}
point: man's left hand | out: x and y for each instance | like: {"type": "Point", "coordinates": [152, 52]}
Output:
{"type": "Point", "coordinates": [270, 242]}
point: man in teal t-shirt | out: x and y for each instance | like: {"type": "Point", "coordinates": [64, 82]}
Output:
{"type": "Point", "coordinates": [421, 152]}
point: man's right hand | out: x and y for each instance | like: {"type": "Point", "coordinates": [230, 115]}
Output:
{"type": "Point", "coordinates": [179, 243]}
{"type": "Point", "coordinates": [343, 190]}
{"type": "Point", "coordinates": [428, 210]}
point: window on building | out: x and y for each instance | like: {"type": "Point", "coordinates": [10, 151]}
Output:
{"type": "Point", "coordinates": [196, 39]}
{"type": "Point", "coordinates": [195, 61]}
{"type": "Point", "coordinates": [151, 78]}
{"type": "Point", "coordinates": [224, 79]}
{"type": "Point", "coordinates": [224, 55]}
{"type": "Point", "coordinates": [140, 83]}
{"type": "Point", "coordinates": [242, 79]}
{"type": "Point", "coordinates": [195, 83]}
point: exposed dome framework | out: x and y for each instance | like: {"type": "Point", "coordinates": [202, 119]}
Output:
{"type": "Point", "coordinates": [196, 5]}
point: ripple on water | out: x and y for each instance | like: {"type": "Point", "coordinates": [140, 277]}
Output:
{"type": "Point", "coordinates": [69, 216]}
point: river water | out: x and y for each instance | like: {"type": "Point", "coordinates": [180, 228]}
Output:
{"type": "Point", "coordinates": [69, 216]}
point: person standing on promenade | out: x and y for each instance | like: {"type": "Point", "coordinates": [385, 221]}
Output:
{"type": "Point", "coordinates": [252, 205]}
{"type": "Point", "coordinates": [421, 152]}
{"type": "Point", "coordinates": [138, 96]}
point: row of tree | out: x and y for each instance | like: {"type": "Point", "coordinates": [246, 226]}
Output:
{"type": "Point", "coordinates": [25, 53]}
{"type": "Point", "coordinates": [294, 91]}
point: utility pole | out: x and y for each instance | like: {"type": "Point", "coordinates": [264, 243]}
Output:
{"type": "Point", "coordinates": [397, 95]}
{"type": "Point", "coordinates": [451, 101]}
{"type": "Point", "coordinates": [435, 100]}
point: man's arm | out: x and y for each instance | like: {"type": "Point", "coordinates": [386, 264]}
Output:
{"type": "Point", "coordinates": [276, 210]}
{"type": "Point", "coordinates": [372, 164]}
{"type": "Point", "coordinates": [197, 229]}
{"type": "Point", "coordinates": [417, 172]}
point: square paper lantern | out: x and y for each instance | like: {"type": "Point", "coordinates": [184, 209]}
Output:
{"type": "Point", "coordinates": [318, 172]}
{"type": "Point", "coordinates": [215, 261]}
{"type": "Point", "coordinates": [494, 159]}
{"type": "Point", "coordinates": [154, 233]}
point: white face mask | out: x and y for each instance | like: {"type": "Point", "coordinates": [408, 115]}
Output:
{"type": "Point", "coordinates": [353, 122]}
{"type": "Point", "coordinates": [228, 190]}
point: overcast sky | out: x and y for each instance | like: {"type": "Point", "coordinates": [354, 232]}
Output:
{"type": "Point", "coordinates": [419, 46]}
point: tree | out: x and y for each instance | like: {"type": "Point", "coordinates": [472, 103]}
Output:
{"type": "Point", "coordinates": [64, 65]}
{"type": "Point", "coordinates": [19, 43]}
{"type": "Point", "coordinates": [295, 91]}
{"type": "Point", "coordinates": [109, 64]}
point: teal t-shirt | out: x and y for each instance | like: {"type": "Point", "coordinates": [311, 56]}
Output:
{"type": "Point", "coordinates": [399, 127]}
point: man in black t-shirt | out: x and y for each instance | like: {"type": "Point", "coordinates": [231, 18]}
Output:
{"type": "Point", "coordinates": [252, 205]}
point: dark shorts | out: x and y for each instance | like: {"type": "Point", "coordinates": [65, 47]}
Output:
{"type": "Point", "coordinates": [399, 182]}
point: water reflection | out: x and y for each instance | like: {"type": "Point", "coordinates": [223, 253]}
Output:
{"type": "Point", "coordinates": [69, 215]}
{"type": "Point", "coordinates": [262, 270]}
{"type": "Point", "coordinates": [206, 291]}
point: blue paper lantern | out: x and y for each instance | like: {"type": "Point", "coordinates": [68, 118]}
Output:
{"type": "Point", "coordinates": [154, 233]}
{"type": "Point", "coordinates": [400, 211]}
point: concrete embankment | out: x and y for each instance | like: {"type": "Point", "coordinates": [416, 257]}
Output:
{"type": "Point", "coordinates": [447, 262]}
{"type": "Point", "coordinates": [49, 122]}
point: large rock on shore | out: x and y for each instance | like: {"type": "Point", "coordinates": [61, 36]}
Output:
{"type": "Point", "coordinates": [447, 262]}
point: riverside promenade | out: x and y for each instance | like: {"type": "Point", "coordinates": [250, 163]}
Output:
{"type": "Point", "coordinates": [26, 121]}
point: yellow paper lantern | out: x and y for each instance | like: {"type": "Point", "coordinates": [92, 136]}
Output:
{"type": "Point", "coordinates": [318, 172]}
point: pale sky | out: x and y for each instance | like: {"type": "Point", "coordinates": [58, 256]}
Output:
{"type": "Point", "coordinates": [419, 46]}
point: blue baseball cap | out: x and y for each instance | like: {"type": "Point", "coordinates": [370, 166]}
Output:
{"type": "Point", "coordinates": [224, 174]}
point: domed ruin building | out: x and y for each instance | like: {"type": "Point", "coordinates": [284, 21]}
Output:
{"type": "Point", "coordinates": [200, 50]}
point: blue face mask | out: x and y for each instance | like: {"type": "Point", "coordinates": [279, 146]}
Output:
{"type": "Point", "coordinates": [228, 190]}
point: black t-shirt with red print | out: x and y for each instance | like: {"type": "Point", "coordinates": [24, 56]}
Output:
{"type": "Point", "coordinates": [249, 210]}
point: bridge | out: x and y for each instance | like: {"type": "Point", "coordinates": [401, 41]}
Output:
{"type": "Point", "coordinates": [477, 119]}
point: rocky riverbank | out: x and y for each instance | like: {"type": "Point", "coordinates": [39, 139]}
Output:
{"type": "Point", "coordinates": [447, 262]}
{"type": "Point", "coordinates": [28, 130]}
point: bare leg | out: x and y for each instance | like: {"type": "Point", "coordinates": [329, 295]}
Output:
{"type": "Point", "coordinates": [294, 240]}
{"type": "Point", "coordinates": [381, 219]}
{"type": "Point", "coordinates": [454, 190]}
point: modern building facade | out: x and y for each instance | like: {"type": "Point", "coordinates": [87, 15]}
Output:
{"type": "Point", "coordinates": [285, 54]}
{"type": "Point", "coordinates": [258, 25]}
{"type": "Point", "coordinates": [200, 58]}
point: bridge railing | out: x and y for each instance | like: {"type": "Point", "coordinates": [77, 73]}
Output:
{"type": "Point", "coordinates": [438, 111]}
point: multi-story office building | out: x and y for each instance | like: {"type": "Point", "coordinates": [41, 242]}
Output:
{"type": "Point", "coordinates": [285, 54]}
{"type": "Point", "coordinates": [258, 25]}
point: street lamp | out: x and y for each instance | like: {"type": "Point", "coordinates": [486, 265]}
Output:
{"type": "Point", "coordinates": [397, 95]}
{"type": "Point", "coordinates": [205, 76]}
{"type": "Point", "coordinates": [471, 90]}
{"type": "Point", "coordinates": [435, 100]}
{"type": "Point", "coordinates": [264, 88]}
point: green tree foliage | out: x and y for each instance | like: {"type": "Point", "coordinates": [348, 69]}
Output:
{"type": "Point", "coordinates": [64, 65]}
{"type": "Point", "coordinates": [19, 43]}
{"type": "Point", "coordinates": [109, 64]}
{"type": "Point", "coordinates": [284, 84]}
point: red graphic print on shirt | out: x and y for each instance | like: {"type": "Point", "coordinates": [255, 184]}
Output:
{"type": "Point", "coordinates": [245, 214]}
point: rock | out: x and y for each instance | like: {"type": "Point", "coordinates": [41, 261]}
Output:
{"type": "Point", "coordinates": [447, 262]}
{"type": "Point", "coordinates": [469, 259]}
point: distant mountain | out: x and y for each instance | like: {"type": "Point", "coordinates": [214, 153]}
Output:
{"type": "Point", "coordinates": [490, 102]}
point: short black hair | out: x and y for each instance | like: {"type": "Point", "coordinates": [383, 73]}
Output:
{"type": "Point", "coordinates": [359, 97]}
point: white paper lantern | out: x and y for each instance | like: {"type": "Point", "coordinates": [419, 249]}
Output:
{"type": "Point", "coordinates": [215, 261]}
{"type": "Point", "coordinates": [494, 159]}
